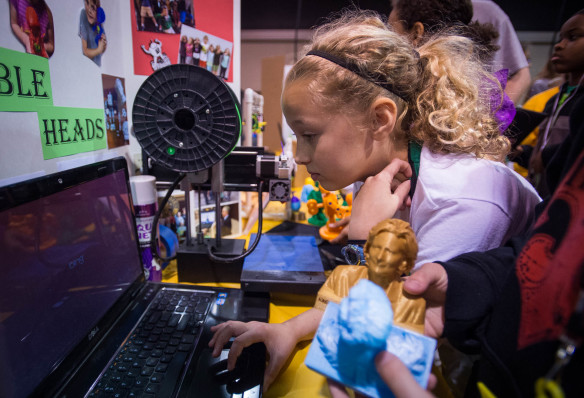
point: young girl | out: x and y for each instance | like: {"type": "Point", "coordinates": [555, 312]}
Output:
{"type": "Point", "coordinates": [210, 57]}
{"type": "Point", "coordinates": [204, 52]}
{"type": "Point", "coordinates": [182, 51]}
{"type": "Point", "coordinates": [197, 51]}
{"type": "Point", "coordinates": [216, 60]}
{"type": "Point", "coordinates": [224, 64]}
{"type": "Point", "coordinates": [189, 51]}
{"type": "Point", "coordinates": [366, 106]}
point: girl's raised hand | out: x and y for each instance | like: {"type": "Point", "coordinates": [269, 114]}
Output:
{"type": "Point", "coordinates": [379, 198]}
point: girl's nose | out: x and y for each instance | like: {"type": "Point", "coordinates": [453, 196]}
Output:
{"type": "Point", "coordinates": [300, 157]}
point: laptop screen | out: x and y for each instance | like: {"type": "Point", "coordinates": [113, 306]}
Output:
{"type": "Point", "coordinates": [69, 252]}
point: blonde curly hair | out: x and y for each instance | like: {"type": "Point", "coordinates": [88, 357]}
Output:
{"type": "Point", "coordinates": [442, 90]}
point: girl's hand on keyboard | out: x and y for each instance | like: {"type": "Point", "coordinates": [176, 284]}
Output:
{"type": "Point", "coordinates": [277, 337]}
{"type": "Point", "coordinates": [280, 339]}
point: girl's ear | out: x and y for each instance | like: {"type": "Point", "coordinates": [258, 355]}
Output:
{"type": "Point", "coordinates": [385, 114]}
{"type": "Point", "coordinates": [416, 32]}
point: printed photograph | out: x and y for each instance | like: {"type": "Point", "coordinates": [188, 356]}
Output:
{"type": "Point", "coordinates": [116, 113]}
{"type": "Point", "coordinates": [205, 50]}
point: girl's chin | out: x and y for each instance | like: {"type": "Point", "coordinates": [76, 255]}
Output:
{"type": "Point", "coordinates": [329, 186]}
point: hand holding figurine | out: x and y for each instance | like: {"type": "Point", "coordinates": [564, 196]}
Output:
{"type": "Point", "coordinates": [399, 378]}
{"type": "Point", "coordinates": [430, 282]}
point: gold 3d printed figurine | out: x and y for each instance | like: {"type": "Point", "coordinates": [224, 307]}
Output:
{"type": "Point", "coordinates": [390, 253]}
{"type": "Point", "coordinates": [366, 311]}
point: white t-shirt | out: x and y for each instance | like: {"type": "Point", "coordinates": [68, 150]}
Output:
{"type": "Point", "coordinates": [463, 204]}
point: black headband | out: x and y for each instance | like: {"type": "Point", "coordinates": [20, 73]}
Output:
{"type": "Point", "coordinates": [373, 78]}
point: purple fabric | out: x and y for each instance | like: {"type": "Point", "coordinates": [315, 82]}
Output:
{"type": "Point", "coordinates": [505, 109]}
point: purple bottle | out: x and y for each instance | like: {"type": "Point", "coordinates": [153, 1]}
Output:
{"type": "Point", "coordinates": [145, 204]}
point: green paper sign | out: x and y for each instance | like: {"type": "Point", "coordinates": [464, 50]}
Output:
{"type": "Point", "coordinates": [25, 81]}
{"type": "Point", "coordinates": [67, 131]}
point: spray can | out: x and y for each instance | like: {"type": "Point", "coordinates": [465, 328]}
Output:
{"type": "Point", "coordinates": [145, 204]}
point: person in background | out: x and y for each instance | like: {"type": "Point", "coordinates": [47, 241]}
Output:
{"type": "Point", "coordinates": [567, 58]}
{"type": "Point", "coordinates": [546, 78]}
{"type": "Point", "coordinates": [225, 221]}
{"type": "Point", "coordinates": [210, 57]}
{"type": "Point", "coordinates": [419, 19]}
{"type": "Point", "coordinates": [32, 23]}
{"type": "Point", "coordinates": [204, 52]}
{"type": "Point", "coordinates": [537, 104]}
{"type": "Point", "coordinates": [189, 51]}
{"type": "Point", "coordinates": [216, 60]}
{"type": "Point", "coordinates": [182, 51]}
{"type": "Point", "coordinates": [92, 47]}
{"type": "Point", "coordinates": [510, 54]}
{"type": "Point", "coordinates": [224, 65]}
{"type": "Point", "coordinates": [146, 12]}
{"type": "Point", "coordinates": [197, 48]}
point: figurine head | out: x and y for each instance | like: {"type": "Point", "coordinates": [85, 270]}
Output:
{"type": "Point", "coordinates": [390, 251]}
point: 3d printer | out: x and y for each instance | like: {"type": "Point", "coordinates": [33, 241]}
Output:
{"type": "Point", "coordinates": [188, 123]}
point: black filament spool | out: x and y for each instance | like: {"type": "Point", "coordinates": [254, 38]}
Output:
{"type": "Point", "coordinates": [186, 118]}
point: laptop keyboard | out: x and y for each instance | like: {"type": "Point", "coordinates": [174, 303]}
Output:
{"type": "Point", "coordinates": [151, 362]}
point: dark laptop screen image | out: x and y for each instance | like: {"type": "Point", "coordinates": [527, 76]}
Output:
{"type": "Point", "coordinates": [66, 258]}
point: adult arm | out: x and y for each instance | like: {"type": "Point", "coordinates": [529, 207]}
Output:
{"type": "Point", "coordinates": [518, 84]}
{"type": "Point", "coordinates": [475, 281]}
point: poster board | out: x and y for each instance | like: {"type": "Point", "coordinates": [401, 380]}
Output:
{"type": "Point", "coordinates": [79, 88]}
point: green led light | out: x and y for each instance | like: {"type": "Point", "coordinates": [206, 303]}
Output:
{"type": "Point", "coordinates": [171, 150]}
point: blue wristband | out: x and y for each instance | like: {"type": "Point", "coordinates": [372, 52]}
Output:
{"type": "Point", "coordinates": [353, 255]}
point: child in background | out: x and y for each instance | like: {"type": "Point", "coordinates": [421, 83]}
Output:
{"type": "Point", "coordinates": [39, 38]}
{"type": "Point", "coordinates": [88, 33]}
{"type": "Point", "coordinates": [204, 52]}
{"type": "Point", "coordinates": [366, 106]}
{"type": "Point", "coordinates": [182, 51]}
{"type": "Point", "coordinates": [146, 12]}
{"type": "Point", "coordinates": [210, 57]}
{"type": "Point", "coordinates": [225, 58]}
{"type": "Point", "coordinates": [197, 51]}
{"type": "Point", "coordinates": [567, 58]}
{"type": "Point", "coordinates": [165, 22]}
{"type": "Point", "coordinates": [216, 60]}
{"type": "Point", "coordinates": [189, 51]}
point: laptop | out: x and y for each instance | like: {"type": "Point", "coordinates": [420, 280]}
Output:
{"type": "Point", "coordinates": [77, 317]}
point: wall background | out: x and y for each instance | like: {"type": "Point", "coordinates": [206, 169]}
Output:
{"type": "Point", "coordinates": [77, 82]}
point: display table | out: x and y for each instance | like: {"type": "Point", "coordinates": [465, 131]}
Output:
{"type": "Point", "coordinates": [295, 380]}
